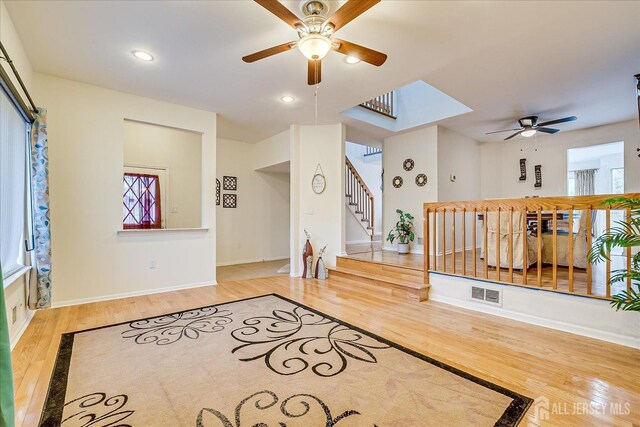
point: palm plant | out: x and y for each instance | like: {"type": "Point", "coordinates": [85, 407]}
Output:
{"type": "Point", "coordinates": [403, 231]}
{"type": "Point", "coordinates": [622, 235]}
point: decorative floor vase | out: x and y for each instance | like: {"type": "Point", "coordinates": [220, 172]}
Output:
{"type": "Point", "coordinates": [307, 260]}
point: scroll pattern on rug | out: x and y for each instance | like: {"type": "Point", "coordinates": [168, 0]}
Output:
{"type": "Point", "coordinates": [292, 341]}
{"type": "Point", "coordinates": [169, 329]}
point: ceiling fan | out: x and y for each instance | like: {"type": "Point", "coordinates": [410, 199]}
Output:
{"type": "Point", "coordinates": [529, 126]}
{"type": "Point", "coordinates": [315, 31]}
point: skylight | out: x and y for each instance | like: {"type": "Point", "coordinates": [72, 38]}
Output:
{"type": "Point", "coordinates": [416, 104]}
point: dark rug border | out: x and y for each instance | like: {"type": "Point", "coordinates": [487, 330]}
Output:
{"type": "Point", "coordinates": [54, 402]}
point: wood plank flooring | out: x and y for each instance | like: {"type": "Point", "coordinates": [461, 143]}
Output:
{"type": "Point", "coordinates": [537, 362]}
{"type": "Point", "coordinates": [252, 270]}
{"type": "Point", "coordinates": [416, 261]}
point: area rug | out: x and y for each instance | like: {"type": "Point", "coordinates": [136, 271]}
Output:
{"type": "Point", "coordinates": [263, 361]}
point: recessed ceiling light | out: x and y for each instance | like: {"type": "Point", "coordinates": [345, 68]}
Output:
{"type": "Point", "coordinates": [141, 55]}
{"type": "Point", "coordinates": [287, 99]}
{"type": "Point", "coordinates": [352, 60]}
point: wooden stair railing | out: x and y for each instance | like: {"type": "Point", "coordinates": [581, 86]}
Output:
{"type": "Point", "coordinates": [444, 220]}
{"type": "Point", "coordinates": [359, 195]}
{"type": "Point", "coordinates": [383, 104]}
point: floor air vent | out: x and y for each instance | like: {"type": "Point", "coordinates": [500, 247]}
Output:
{"type": "Point", "coordinates": [485, 295]}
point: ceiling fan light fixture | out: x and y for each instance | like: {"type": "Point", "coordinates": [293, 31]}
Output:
{"type": "Point", "coordinates": [528, 133]}
{"type": "Point", "coordinates": [351, 60]}
{"type": "Point", "coordinates": [142, 55]}
{"type": "Point", "coordinates": [314, 46]}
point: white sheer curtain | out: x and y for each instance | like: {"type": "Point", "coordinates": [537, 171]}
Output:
{"type": "Point", "coordinates": [13, 137]}
{"type": "Point", "coordinates": [585, 182]}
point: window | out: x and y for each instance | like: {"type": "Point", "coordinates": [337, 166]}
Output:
{"type": "Point", "coordinates": [571, 184]}
{"type": "Point", "coordinates": [141, 201]}
{"type": "Point", "coordinates": [13, 160]}
{"type": "Point", "coordinates": [617, 181]}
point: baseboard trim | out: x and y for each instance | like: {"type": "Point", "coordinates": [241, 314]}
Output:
{"type": "Point", "coordinates": [23, 328]}
{"type": "Point", "coordinates": [538, 321]}
{"type": "Point", "coordinates": [131, 294]}
{"type": "Point", "coordinates": [252, 261]}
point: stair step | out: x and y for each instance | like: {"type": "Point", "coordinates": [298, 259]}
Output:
{"type": "Point", "coordinates": [399, 287]}
{"type": "Point", "coordinates": [353, 204]}
{"type": "Point", "coordinates": [365, 220]}
{"type": "Point", "coordinates": [415, 275]}
{"type": "Point", "coordinates": [359, 212]}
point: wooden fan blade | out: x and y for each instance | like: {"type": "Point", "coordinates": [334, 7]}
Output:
{"type": "Point", "coordinates": [504, 130]}
{"type": "Point", "coordinates": [269, 52]}
{"type": "Point", "coordinates": [314, 72]}
{"type": "Point", "coordinates": [512, 136]}
{"type": "Point", "coordinates": [548, 130]}
{"type": "Point", "coordinates": [350, 11]}
{"type": "Point", "coordinates": [557, 121]}
{"type": "Point", "coordinates": [365, 54]}
{"type": "Point", "coordinates": [280, 10]}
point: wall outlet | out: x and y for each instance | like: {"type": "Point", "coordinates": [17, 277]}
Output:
{"type": "Point", "coordinates": [153, 263]}
{"type": "Point", "coordinates": [14, 314]}
{"type": "Point", "coordinates": [452, 178]}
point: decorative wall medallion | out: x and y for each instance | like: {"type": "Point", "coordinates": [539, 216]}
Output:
{"type": "Point", "coordinates": [397, 182]}
{"type": "Point", "coordinates": [217, 192]}
{"type": "Point", "coordinates": [421, 180]}
{"type": "Point", "coordinates": [538, 169]}
{"type": "Point", "coordinates": [230, 201]}
{"type": "Point", "coordinates": [408, 164]}
{"type": "Point", "coordinates": [230, 183]}
{"type": "Point", "coordinates": [523, 169]}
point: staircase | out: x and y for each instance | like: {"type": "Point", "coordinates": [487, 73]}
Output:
{"type": "Point", "coordinates": [358, 197]}
{"type": "Point", "coordinates": [382, 277]}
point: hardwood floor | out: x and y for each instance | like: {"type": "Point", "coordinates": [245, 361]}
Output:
{"type": "Point", "coordinates": [253, 270]}
{"type": "Point", "coordinates": [416, 261]}
{"type": "Point", "coordinates": [568, 370]}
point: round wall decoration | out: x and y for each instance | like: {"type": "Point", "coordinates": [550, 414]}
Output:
{"type": "Point", "coordinates": [397, 182]}
{"type": "Point", "coordinates": [421, 180]}
{"type": "Point", "coordinates": [408, 164]}
{"type": "Point", "coordinates": [318, 183]}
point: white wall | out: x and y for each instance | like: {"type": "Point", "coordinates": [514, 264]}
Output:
{"type": "Point", "coordinates": [550, 151]}
{"type": "Point", "coordinates": [258, 229]}
{"type": "Point", "coordinates": [179, 152]}
{"type": "Point", "coordinates": [585, 316]}
{"type": "Point", "coordinates": [15, 294]}
{"type": "Point", "coordinates": [458, 156]}
{"type": "Point", "coordinates": [322, 215]}
{"type": "Point", "coordinates": [421, 146]}
{"type": "Point", "coordinates": [272, 151]}
{"type": "Point", "coordinates": [370, 169]}
{"type": "Point", "coordinates": [91, 260]}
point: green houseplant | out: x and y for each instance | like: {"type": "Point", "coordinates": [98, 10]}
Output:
{"type": "Point", "coordinates": [403, 231]}
{"type": "Point", "coordinates": [622, 235]}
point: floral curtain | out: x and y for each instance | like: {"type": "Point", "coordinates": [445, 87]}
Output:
{"type": "Point", "coordinates": [40, 282]}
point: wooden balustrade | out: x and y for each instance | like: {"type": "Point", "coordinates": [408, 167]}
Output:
{"type": "Point", "coordinates": [359, 195]}
{"type": "Point", "coordinates": [383, 104]}
{"type": "Point", "coordinates": [518, 236]}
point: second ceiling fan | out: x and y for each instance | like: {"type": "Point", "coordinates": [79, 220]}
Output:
{"type": "Point", "coordinates": [529, 126]}
{"type": "Point", "coordinates": [315, 31]}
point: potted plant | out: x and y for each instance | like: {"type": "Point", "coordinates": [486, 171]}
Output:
{"type": "Point", "coordinates": [623, 235]}
{"type": "Point", "coordinates": [403, 231]}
